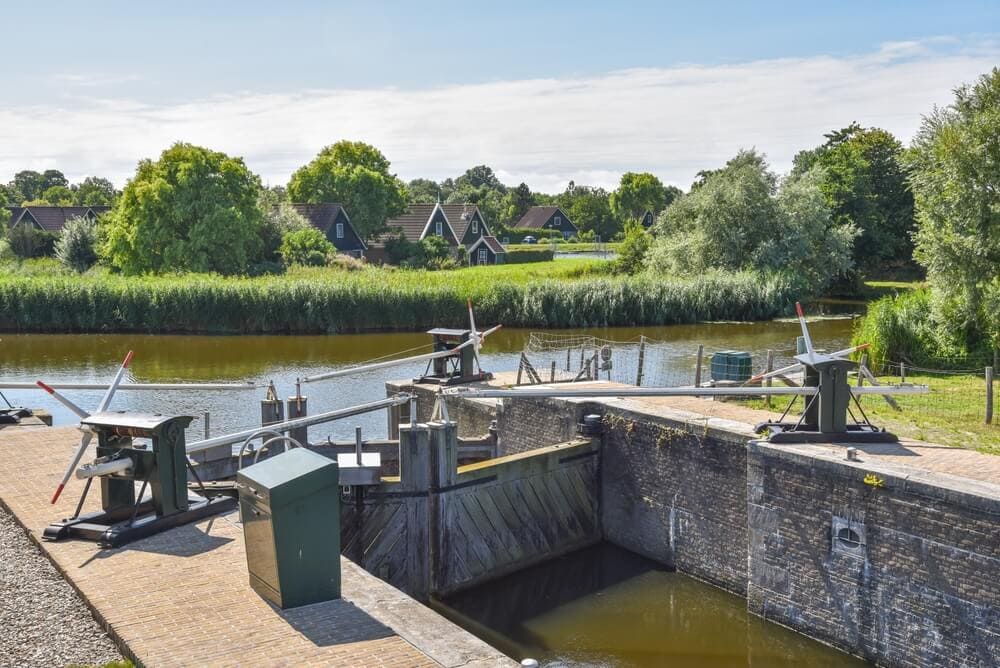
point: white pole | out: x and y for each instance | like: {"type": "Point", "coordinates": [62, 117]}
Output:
{"type": "Point", "coordinates": [289, 425]}
{"type": "Point", "coordinates": [130, 386]}
{"type": "Point", "coordinates": [627, 392]}
{"type": "Point", "coordinates": [350, 371]}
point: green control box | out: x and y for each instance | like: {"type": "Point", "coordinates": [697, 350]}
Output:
{"type": "Point", "coordinates": [290, 507]}
{"type": "Point", "coordinates": [731, 365]}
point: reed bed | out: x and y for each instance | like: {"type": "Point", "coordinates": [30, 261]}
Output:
{"type": "Point", "coordinates": [556, 295]}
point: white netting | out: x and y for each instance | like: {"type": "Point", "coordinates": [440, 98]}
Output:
{"type": "Point", "coordinates": [663, 363]}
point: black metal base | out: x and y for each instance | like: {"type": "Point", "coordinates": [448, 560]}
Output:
{"type": "Point", "coordinates": [786, 432]}
{"type": "Point", "coordinates": [108, 530]}
{"type": "Point", "coordinates": [454, 380]}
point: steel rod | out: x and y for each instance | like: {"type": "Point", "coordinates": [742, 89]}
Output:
{"type": "Point", "coordinates": [289, 425]}
{"type": "Point", "coordinates": [131, 386]}
{"type": "Point", "coordinates": [628, 392]}
{"type": "Point", "coordinates": [350, 371]}
{"type": "Point", "coordinates": [891, 389]}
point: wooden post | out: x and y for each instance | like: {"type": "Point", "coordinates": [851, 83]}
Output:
{"type": "Point", "coordinates": [206, 421]}
{"type": "Point", "coordinates": [697, 368]}
{"type": "Point", "coordinates": [902, 372]}
{"type": "Point", "coordinates": [989, 395]}
{"type": "Point", "coordinates": [552, 372]}
{"type": "Point", "coordinates": [567, 359]}
{"type": "Point", "coordinates": [581, 356]}
{"type": "Point", "coordinates": [769, 369]}
{"type": "Point", "coordinates": [863, 364]}
{"type": "Point", "coordinates": [642, 359]}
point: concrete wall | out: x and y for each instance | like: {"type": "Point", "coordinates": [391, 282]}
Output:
{"type": "Point", "coordinates": [923, 586]}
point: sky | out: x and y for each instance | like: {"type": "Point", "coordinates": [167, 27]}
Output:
{"type": "Point", "coordinates": [543, 92]}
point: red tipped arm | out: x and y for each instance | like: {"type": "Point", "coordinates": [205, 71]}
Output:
{"type": "Point", "coordinates": [44, 387]}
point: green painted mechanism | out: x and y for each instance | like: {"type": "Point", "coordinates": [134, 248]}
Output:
{"type": "Point", "coordinates": [162, 463]}
{"type": "Point", "coordinates": [158, 461]}
{"type": "Point", "coordinates": [290, 507]}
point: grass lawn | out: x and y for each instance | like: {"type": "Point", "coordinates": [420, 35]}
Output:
{"type": "Point", "coordinates": [952, 414]}
{"type": "Point", "coordinates": [571, 247]}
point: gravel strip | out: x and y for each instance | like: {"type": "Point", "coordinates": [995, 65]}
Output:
{"type": "Point", "coordinates": [42, 620]}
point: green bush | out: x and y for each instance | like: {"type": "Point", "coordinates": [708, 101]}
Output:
{"type": "Point", "coordinates": [902, 328]}
{"type": "Point", "coordinates": [307, 247]}
{"type": "Point", "coordinates": [27, 241]}
{"type": "Point", "coordinates": [632, 252]}
{"type": "Point", "coordinates": [76, 245]}
{"type": "Point", "coordinates": [523, 255]}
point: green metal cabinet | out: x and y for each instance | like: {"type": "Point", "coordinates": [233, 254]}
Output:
{"type": "Point", "coordinates": [290, 507]}
{"type": "Point", "coordinates": [731, 365]}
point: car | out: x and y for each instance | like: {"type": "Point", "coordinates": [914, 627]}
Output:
{"type": "Point", "coordinates": [530, 240]}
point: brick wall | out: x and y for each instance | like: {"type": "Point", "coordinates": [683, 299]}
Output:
{"type": "Point", "coordinates": [677, 496]}
{"type": "Point", "coordinates": [921, 584]}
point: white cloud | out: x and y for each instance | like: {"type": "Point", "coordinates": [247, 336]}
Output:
{"type": "Point", "coordinates": [671, 121]}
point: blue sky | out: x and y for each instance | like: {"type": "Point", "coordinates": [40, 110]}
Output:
{"type": "Point", "coordinates": [274, 82]}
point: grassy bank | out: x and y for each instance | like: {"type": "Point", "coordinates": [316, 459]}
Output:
{"type": "Point", "coordinates": [561, 294]}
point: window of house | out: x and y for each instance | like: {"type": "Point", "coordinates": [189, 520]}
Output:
{"type": "Point", "coordinates": [439, 228]}
{"type": "Point", "coordinates": [557, 221]}
{"type": "Point", "coordinates": [475, 227]}
{"type": "Point", "coordinates": [482, 256]}
{"type": "Point", "coordinates": [340, 230]}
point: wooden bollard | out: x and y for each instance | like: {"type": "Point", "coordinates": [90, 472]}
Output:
{"type": "Point", "coordinates": [642, 359]}
{"type": "Point", "coordinates": [989, 395]}
{"type": "Point", "coordinates": [769, 369]}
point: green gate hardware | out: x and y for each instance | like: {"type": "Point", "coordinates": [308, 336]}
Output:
{"type": "Point", "coordinates": [161, 465]}
{"type": "Point", "coordinates": [290, 507]}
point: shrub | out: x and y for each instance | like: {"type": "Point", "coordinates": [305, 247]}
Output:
{"type": "Point", "coordinates": [279, 220]}
{"type": "Point", "coordinates": [522, 255]}
{"type": "Point", "coordinates": [306, 247]}
{"type": "Point", "coordinates": [632, 252]}
{"type": "Point", "coordinates": [27, 241]}
{"type": "Point", "coordinates": [76, 244]}
{"type": "Point", "coordinates": [345, 262]}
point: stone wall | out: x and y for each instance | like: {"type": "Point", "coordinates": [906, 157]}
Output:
{"type": "Point", "coordinates": [906, 573]}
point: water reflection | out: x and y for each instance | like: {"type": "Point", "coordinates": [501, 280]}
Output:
{"type": "Point", "coordinates": [93, 358]}
{"type": "Point", "coordinates": [605, 606]}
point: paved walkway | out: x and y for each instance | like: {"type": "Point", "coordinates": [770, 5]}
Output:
{"type": "Point", "coordinates": [181, 598]}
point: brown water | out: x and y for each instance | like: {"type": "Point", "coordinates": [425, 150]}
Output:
{"type": "Point", "coordinates": [604, 606]}
{"type": "Point", "coordinates": [161, 358]}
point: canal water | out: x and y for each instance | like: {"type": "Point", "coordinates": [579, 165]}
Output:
{"type": "Point", "coordinates": [260, 359]}
{"type": "Point", "coordinates": [604, 606]}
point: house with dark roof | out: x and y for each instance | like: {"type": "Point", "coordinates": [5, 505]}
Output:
{"type": "Point", "coordinates": [647, 219]}
{"type": "Point", "coordinates": [461, 225]}
{"type": "Point", "coordinates": [51, 218]}
{"type": "Point", "coordinates": [547, 218]}
{"type": "Point", "coordinates": [332, 220]}
{"type": "Point", "coordinates": [487, 250]}
{"type": "Point", "coordinates": [467, 221]}
{"type": "Point", "coordinates": [419, 222]}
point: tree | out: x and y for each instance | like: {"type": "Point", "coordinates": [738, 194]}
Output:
{"type": "Point", "coordinates": [59, 196]}
{"type": "Point", "coordinates": [864, 184]}
{"type": "Point", "coordinates": [632, 252]}
{"type": "Point", "coordinates": [480, 176]}
{"type": "Point", "coordinates": [52, 177]}
{"type": "Point", "coordinates": [590, 211]}
{"type": "Point", "coordinates": [306, 247]}
{"type": "Point", "coordinates": [27, 185]}
{"type": "Point", "coordinates": [954, 172]}
{"type": "Point", "coordinates": [421, 191]}
{"type": "Point", "coordinates": [95, 191]}
{"type": "Point", "coordinates": [516, 203]}
{"type": "Point", "coordinates": [280, 218]}
{"type": "Point", "coordinates": [737, 219]}
{"type": "Point", "coordinates": [192, 210]}
{"type": "Point", "coordinates": [356, 175]}
{"type": "Point", "coordinates": [637, 193]}
{"type": "Point", "coordinates": [76, 245]}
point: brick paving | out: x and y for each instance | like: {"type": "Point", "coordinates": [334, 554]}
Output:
{"type": "Point", "coordinates": [181, 598]}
